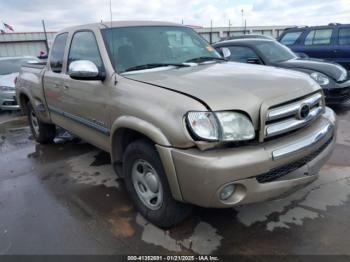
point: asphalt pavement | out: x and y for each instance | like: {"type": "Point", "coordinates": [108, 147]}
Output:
{"type": "Point", "coordinates": [64, 198]}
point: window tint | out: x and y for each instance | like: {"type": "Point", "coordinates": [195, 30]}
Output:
{"type": "Point", "coordinates": [274, 52]}
{"type": "Point", "coordinates": [344, 36]}
{"type": "Point", "coordinates": [241, 54]}
{"type": "Point", "coordinates": [290, 38]}
{"type": "Point", "coordinates": [319, 37]}
{"type": "Point", "coordinates": [57, 53]}
{"type": "Point", "coordinates": [84, 47]}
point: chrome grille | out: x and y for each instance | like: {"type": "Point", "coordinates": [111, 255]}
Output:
{"type": "Point", "coordinates": [294, 115]}
{"type": "Point", "coordinates": [285, 170]}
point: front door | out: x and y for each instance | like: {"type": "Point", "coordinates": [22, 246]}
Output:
{"type": "Point", "coordinates": [85, 100]}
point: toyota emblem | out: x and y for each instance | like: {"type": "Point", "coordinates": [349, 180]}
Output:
{"type": "Point", "coordinates": [304, 111]}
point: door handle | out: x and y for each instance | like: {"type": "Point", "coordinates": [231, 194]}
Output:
{"type": "Point", "coordinates": [65, 87]}
{"type": "Point", "coordinates": [56, 85]}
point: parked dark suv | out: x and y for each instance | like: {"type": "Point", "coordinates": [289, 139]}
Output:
{"type": "Point", "coordinates": [330, 42]}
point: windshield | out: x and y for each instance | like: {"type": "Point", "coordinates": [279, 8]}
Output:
{"type": "Point", "coordinates": [10, 66]}
{"type": "Point", "coordinates": [133, 47]}
{"type": "Point", "coordinates": [275, 52]}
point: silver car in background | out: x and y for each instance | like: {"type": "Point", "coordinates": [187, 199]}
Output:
{"type": "Point", "coordinates": [9, 68]}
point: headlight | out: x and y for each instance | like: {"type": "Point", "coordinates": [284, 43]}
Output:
{"type": "Point", "coordinates": [7, 88]}
{"type": "Point", "coordinates": [235, 126]}
{"type": "Point", "coordinates": [220, 126]}
{"type": "Point", "coordinates": [344, 74]}
{"type": "Point", "coordinates": [321, 79]}
{"type": "Point", "coordinates": [204, 125]}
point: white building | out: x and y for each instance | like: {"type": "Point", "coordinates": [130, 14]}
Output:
{"type": "Point", "coordinates": [31, 43]}
{"type": "Point", "coordinates": [21, 44]}
{"type": "Point", "coordinates": [214, 34]}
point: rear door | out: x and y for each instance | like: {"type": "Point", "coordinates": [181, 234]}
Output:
{"type": "Point", "coordinates": [53, 79]}
{"type": "Point", "coordinates": [319, 43]}
{"type": "Point", "coordinates": [343, 46]}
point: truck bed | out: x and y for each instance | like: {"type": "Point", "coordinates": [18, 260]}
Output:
{"type": "Point", "coordinates": [30, 82]}
{"type": "Point", "coordinates": [40, 65]}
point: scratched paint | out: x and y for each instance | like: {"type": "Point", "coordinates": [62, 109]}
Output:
{"type": "Point", "coordinates": [332, 188]}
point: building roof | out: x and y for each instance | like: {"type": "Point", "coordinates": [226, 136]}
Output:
{"type": "Point", "coordinates": [107, 24]}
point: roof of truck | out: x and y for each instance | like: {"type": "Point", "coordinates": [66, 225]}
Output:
{"type": "Point", "coordinates": [106, 24]}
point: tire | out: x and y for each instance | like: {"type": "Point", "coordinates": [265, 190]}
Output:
{"type": "Point", "coordinates": [42, 132]}
{"type": "Point", "coordinates": [139, 159]}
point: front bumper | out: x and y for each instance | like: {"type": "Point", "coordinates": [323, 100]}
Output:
{"type": "Point", "coordinates": [339, 93]}
{"type": "Point", "coordinates": [202, 174]}
{"type": "Point", "coordinates": [8, 101]}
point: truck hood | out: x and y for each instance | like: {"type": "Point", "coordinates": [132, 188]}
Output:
{"type": "Point", "coordinates": [232, 86]}
{"type": "Point", "coordinates": [332, 70]}
{"type": "Point", "coordinates": [8, 80]}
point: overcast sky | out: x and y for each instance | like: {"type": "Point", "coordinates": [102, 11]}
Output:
{"type": "Point", "coordinates": [26, 15]}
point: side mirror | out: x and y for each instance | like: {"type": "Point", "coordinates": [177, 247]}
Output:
{"type": "Point", "coordinates": [226, 52]}
{"type": "Point", "coordinates": [84, 70]}
{"type": "Point", "coordinates": [254, 61]}
{"type": "Point", "coordinates": [302, 55]}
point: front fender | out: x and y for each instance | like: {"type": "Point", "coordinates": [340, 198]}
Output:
{"type": "Point", "coordinates": [139, 125]}
{"type": "Point", "coordinates": [153, 133]}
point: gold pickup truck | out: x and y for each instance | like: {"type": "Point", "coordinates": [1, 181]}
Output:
{"type": "Point", "coordinates": [182, 125]}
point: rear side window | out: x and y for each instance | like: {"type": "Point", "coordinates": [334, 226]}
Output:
{"type": "Point", "coordinates": [344, 36]}
{"type": "Point", "coordinates": [57, 53]}
{"type": "Point", "coordinates": [240, 54]}
{"type": "Point", "coordinates": [290, 38]}
{"type": "Point", "coordinates": [84, 47]}
{"type": "Point", "coordinates": [319, 37]}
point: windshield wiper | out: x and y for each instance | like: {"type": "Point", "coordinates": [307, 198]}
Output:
{"type": "Point", "coordinates": [154, 65]}
{"type": "Point", "coordinates": [205, 58]}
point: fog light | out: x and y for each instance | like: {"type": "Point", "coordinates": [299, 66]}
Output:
{"type": "Point", "coordinates": [227, 192]}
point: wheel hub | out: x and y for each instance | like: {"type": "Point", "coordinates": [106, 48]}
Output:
{"type": "Point", "coordinates": [34, 122]}
{"type": "Point", "coordinates": [147, 184]}
{"type": "Point", "coordinates": [152, 182]}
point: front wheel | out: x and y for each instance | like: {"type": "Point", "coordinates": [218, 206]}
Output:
{"type": "Point", "coordinates": [42, 132]}
{"type": "Point", "coordinates": [148, 187]}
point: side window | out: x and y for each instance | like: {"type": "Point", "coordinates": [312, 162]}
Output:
{"type": "Point", "coordinates": [344, 36]}
{"type": "Point", "coordinates": [310, 37]}
{"type": "Point", "coordinates": [291, 38]}
{"type": "Point", "coordinates": [57, 53]}
{"type": "Point", "coordinates": [319, 37]}
{"type": "Point", "coordinates": [84, 47]}
{"type": "Point", "coordinates": [241, 54]}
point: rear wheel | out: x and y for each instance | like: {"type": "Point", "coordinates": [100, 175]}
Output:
{"type": "Point", "coordinates": [42, 132]}
{"type": "Point", "coordinates": [148, 187]}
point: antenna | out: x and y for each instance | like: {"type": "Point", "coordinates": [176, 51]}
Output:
{"type": "Point", "coordinates": [110, 11]}
{"type": "Point", "coordinates": [46, 41]}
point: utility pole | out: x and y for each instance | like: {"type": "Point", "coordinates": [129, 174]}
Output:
{"type": "Point", "coordinates": [229, 28]}
{"type": "Point", "coordinates": [242, 11]}
{"type": "Point", "coordinates": [211, 32]}
{"type": "Point", "coordinates": [110, 11]}
{"type": "Point", "coordinates": [46, 41]}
